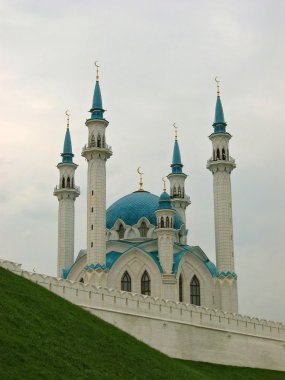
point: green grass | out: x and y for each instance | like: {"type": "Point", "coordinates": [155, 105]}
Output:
{"type": "Point", "coordinates": [42, 336]}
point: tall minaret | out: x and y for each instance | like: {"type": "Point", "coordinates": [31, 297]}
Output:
{"type": "Point", "coordinates": [221, 165]}
{"type": "Point", "coordinates": [66, 193]}
{"type": "Point", "coordinates": [96, 153]}
{"type": "Point", "coordinates": [179, 199]}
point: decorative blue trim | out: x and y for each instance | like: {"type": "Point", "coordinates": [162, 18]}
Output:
{"type": "Point", "coordinates": [226, 274]}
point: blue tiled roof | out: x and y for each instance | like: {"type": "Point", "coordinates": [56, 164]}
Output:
{"type": "Point", "coordinates": [176, 159]}
{"type": "Point", "coordinates": [196, 251]}
{"type": "Point", "coordinates": [67, 148]}
{"type": "Point", "coordinates": [97, 108]}
{"type": "Point", "coordinates": [219, 123]}
{"type": "Point", "coordinates": [164, 202]}
{"type": "Point", "coordinates": [134, 206]}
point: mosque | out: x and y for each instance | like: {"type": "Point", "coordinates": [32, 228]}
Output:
{"type": "Point", "coordinates": [139, 244]}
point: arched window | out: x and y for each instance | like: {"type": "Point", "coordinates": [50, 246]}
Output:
{"type": "Point", "coordinates": [171, 222]}
{"type": "Point", "coordinates": [218, 154]}
{"type": "Point", "coordinates": [68, 182]}
{"type": "Point", "coordinates": [126, 282]}
{"type": "Point", "coordinates": [103, 142]}
{"type": "Point", "coordinates": [121, 231]}
{"type": "Point", "coordinates": [145, 284]}
{"type": "Point", "coordinates": [143, 229]}
{"type": "Point", "coordinates": [81, 280]}
{"type": "Point", "coordinates": [228, 157]}
{"type": "Point", "coordinates": [167, 222]}
{"type": "Point", "coordinates": [72, 183]}
{"type": "Point", "coordinates": [180, 288]}
{"type": "Point", "coordinates": [99, 141]}
{"type": "Point", "coordinates": [92, 141]}
{"type": "Point", "coordinates": [174, 191]}
{"type": "Point", "coordinates": [214, 156]}
{"type": "Point", "coordinates": [63, 182]}
{"type": "Point", "coordinates": [224, 154]}
{"type": "Point", "coordinates": [195, 291]}
{"type": "Point", "coordinates": [162, 222]}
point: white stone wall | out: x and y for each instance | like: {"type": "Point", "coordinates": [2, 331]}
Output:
{"type": "Point", "coordinates": [223, 221]}
{"type": "Point", "coordinates": [96, 213]}
{"type": "Point", "coordinates": [179, 330]}
{"type": "Point", "coordinates": [65, 257]}
{"type": "Point", "coordinates": [165, 248]}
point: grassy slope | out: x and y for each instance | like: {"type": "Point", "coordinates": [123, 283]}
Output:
{"type": "Point", "coordinates": [43, 336]}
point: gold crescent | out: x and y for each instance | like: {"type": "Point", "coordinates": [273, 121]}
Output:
{"type": "Point", "coordinates": [96, 64]}
{"type": "Point", "coordinates": [67, 113]}
{"type": "Point", "coordinates": [216, 80]}
{"type": "Point", "coordinates": [164, 179]}
{"type": "Point", "coordinates": [139, 170]}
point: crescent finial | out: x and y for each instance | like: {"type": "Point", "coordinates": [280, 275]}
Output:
{"type": "Point", "coordinates": [218, 86]}
{"type": "Point", "coordinates": [141, 181]}
{"type": "Point", "coordinates": [97, 70]}
{"type": "Point", "coordinates": [174, 125]}
{"type": "Point", "coordinates": [67, 113]}
{"type": "Point", "coordinates": [164, 184]}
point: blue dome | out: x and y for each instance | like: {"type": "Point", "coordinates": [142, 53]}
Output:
{"type": "Point", "coordinates": [134, 206]}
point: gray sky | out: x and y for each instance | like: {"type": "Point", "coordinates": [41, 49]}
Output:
{"type": "Point", "coordinates": [158, 62]}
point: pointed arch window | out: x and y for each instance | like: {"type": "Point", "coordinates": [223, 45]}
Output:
{"type": "Point", "coordinates": [162, 222]}
{"type": "Point", "coordinates": [99, 141]}
{"type": "Point", "coordinates": [143, 229]}
{"type": "Point", "coordinates": [224, 154]}
{"type": "Point", "coordinates": [195, 298]}
{"type": "Point", "coordinates": [92, 141]}
{"type": "Point", "coordinates": [81, 280]}
{"type": "Point", "coordinates": [121, 231]}
{"type": "Point", "coordinates": [68, 182]}
{"type": "Point", "coordinates": [179, 192]}
{"type": "Point", "coordinates": [63, 183]}
{"type": "Point", "coordinates": [145, 284]}
{"type": "Point", "coordinates": [174, 191]}
{"type": "Point", "coordinates": [126, 282]}
{"type": "Point", "coordinates": [72, 183]}
{"type": "Point", "coordinates": [218, 154]}
{"type": "Point", "coordinates": [167, 222]}
{"type": "Point", "coordinates": [103, 142]}
{"type": "Point", "coordinates": [180, 288]}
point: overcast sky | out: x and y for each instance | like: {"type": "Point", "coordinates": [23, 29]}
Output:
{"type": "Point", "coordinates": [158, 62]}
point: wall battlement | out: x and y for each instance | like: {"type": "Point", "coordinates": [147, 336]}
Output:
{"type": "Point", "coordinates": [138, 315]}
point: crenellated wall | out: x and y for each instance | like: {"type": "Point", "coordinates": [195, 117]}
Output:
{"type": "Point", "coordinates": [177, 329]}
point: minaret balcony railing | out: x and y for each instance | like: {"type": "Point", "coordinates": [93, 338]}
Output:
{"type": "Point", "coordinates": [76, 188]}
{"type": "Point", "coordinates": [232, 160]}
{"type": "Point", "coordinates": [91, 146]}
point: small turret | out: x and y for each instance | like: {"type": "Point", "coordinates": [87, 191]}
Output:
{"type": "Point", "coordinates": [180, 201]}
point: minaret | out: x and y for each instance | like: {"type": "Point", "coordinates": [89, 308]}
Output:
{"type": "Point", "coordinates": [96, 153]}
{"type": "Point", "coordinates": [66, 193]}
{"type": "Point", "coordinates": [221, 166]}
{"type": "Point", "coordinates": [165, 235]}
{"type": "Point", "coordinates": [179, 199]}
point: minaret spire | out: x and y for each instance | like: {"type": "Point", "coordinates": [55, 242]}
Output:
{"type": "Point", "coordinates": [221, 166]}
{"type": "Point", "coordinates": [97, 110]}
{"type": "Point", "coordinates": [66, 193]}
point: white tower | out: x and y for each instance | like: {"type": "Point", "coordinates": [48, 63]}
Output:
{"type": "Point", "coordinates": [66, 193]}
{"type": "Point", "coordinates": [166, 235]}
{"type": "Point", "coordinates": [96, 153]}
{"type": "Point", "coordinates": [179, 199]}
{"type": "Point", "coordinates": [221, 165]}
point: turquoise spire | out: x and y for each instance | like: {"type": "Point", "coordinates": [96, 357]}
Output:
{"type": "Point", "coordinates": [164, 202]}
{"type": "Point", "coordinates": [97, 109]}
{"type": "Point", "coordinates": [67, 147]}
{"type": "Point", "coordinates": [176, 159]}
{"type": "Point", "coordinates": [219, 123]}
